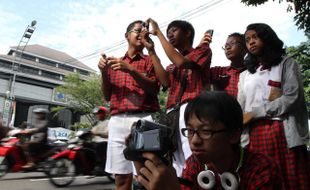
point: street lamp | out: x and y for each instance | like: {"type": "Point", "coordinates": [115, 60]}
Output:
{"type": "Point", "coordinates": [23, 42]}
{"type": "Point", "coordinates": [15, 65]}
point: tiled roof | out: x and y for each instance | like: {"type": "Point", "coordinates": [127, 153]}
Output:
{"type": "Point", "coordinates": [53, 54]}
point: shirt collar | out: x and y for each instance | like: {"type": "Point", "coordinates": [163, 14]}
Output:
{"type": "Point", "coordinates": [139, 55]}
{"type": "Point", "coordinates": [239, 70]}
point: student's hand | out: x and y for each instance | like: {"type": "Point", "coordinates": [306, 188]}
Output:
{"type": "Point", "coordinates": [155, 175]}
{"type": "Point", "coordinates": [146, 40]}
{"type": "Point", "coordinates": [206, 39]}
{"type": "Point", "coordinates": [119, 64]}
{"type": "Point", "coordinates": [103, 62]}
{"type": "Point", "coordinates": [155, 28]}
{"type": "Point", "coordinates": [247, 117]}
{"type": "Point", "coordinates": [274, 93]}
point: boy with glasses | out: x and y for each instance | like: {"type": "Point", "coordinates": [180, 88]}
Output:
{"type": "Point", "coordinates": [227, 78]}
{"type": "Point", "coordinates": [129, 83]}
{"type": "Point", "coordinates": [213, 127]}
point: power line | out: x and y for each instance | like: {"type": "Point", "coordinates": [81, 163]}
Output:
{"type": "Point", "coordinates": [96, 52]}
{"type": "Point", "coordinates": [187, 15]}
{"type": "Point", "coordinates": [200, 10]}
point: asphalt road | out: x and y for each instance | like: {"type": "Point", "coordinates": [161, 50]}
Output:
{"type": "Point", "coordinates": [38, 181]}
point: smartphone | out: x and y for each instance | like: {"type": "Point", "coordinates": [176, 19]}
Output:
{"type": "Point", "coordinates": [210, 31]}
{"type": "Point", "coordinates": [146, 25]}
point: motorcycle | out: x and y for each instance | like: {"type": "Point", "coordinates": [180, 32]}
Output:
{"type": "Point", "coordinates": [13, 158]}
{"type": "Point", "coordinates": [80, 158]}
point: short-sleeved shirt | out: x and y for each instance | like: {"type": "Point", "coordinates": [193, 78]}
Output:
{"type": "Point", "coordinates": [226, 79]}
{"type": "Point", "coordinates": [196, 79]}
{"type": "Point", "coordinates": [126, 94]}
{"type": "Point", "coordinates": [257, 172]}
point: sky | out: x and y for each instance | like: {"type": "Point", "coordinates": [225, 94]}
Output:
{"type": "Point", "coordinates": [86, 28]}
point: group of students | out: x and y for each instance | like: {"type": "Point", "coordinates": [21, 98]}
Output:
{"type": "Point", "coordinates": [259, 139]}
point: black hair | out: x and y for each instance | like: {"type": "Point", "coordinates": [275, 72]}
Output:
{"type": "Point", "coordinates": [241, 38]}
{"type": "Point", "coordinates": [272, 52]}
{"type": "Point", "coordinates": [184, 26]}
{"type": "Point", "coordinates": [216, 106]}
{"type": "Point", "coordinates": [131, 25]}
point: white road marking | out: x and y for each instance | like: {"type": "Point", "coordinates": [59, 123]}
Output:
{"type": "Point", "coordinates": [77, 177]}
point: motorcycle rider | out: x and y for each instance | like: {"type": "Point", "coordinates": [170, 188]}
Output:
{"type": "Point", "coordinates": [100, 128]}
{"type": "Point", "coordinates": [38, 137]}
{"type": "Point", "coordinates": [100, 132]}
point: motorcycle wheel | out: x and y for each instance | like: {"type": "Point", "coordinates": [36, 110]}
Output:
{"type": "Point", "coordinates": [4, 167]}
{"type": "Point", "coordinates": [62, 172]}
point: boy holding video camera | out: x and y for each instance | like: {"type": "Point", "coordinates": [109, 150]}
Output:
{"type": "Point", "coordinates": [213, 127]}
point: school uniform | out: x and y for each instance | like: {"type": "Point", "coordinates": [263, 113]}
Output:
{"type": "Point", "coordinates": [256, 172]}
{"type": "Point", "coordinates": [129, 103]}
{"type": "Point", "coordinates": [226, 79]}
{"type": "Point", "coordinates": [195, 83]}
{"type": "Point", "coordinates": [280, 126]}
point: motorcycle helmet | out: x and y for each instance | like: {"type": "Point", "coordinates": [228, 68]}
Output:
{"type": "Point", "coordinates": [100, 110]}
{"type": "Point", "coordinates": [41, 110]}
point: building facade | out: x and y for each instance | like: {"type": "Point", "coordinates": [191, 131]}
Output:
{"type": "Point", "coordinates": [29, 79]}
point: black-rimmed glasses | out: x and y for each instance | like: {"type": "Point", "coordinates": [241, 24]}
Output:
{"type": "Point", "coordinates": [135, 30]}
{"type": "Point", "coordinates": [202, 133]}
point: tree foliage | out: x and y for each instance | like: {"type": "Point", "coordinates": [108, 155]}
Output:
{"type": "Point", "coordinates": [301, 53]}
{"type": "Point", "coordinates": [301, 7]}
{"type": "Point", "coordinates": [162, 98]}
{"type": "Point", "coordinates": [82, 95]}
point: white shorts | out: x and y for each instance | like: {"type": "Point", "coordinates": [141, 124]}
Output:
{"type": "Point", "coordinates": [119, 129]}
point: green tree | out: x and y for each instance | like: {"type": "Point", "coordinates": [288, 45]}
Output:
{"type": "Point", "coordinates": [162, 98]}
{"type": "Point", "coordinates": [301, 7]}
{"type": "Point", "coordinates": [301, 53]}
{"type": "Point", "coordinates": [82, 95]}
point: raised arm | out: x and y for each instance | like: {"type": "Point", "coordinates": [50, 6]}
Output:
{"type": "Point", "coordinates": [160, 72]}
{"type": "Point", "coordinates": [175, 57]}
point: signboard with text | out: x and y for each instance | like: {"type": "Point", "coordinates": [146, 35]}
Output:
{"type": "Point", "coordinates": [59, 133]}
{"type": "Point", "coordinates": [59, 96]}
{"type": "Point", "coordinates": [6, 112]}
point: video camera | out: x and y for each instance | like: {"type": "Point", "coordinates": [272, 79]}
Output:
{"type": "Point", "coordinates": [148, 136]}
